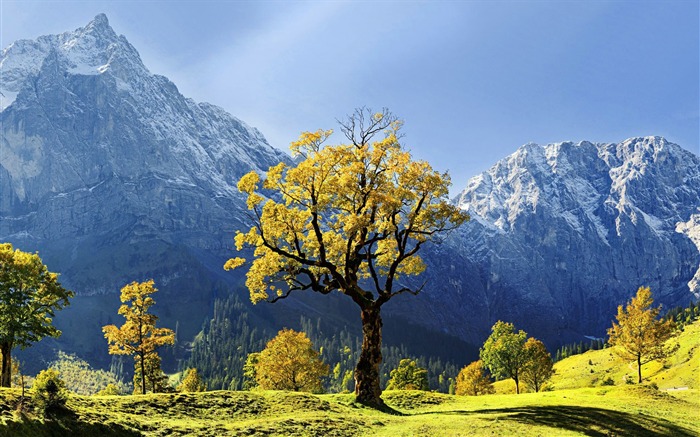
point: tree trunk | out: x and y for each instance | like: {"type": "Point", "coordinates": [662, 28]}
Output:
{"type": "Point", "coordinates": [143, 375]}
{"type": "Point", "coordinates": [517, 385]}
{"type": "Point", "coordinates": [6, 375]}
{"type": "Point", "coordinates": [639, 368]}
{"type": "Point", "coordinates": [367, 390]}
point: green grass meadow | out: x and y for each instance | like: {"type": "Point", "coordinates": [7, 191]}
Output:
{"type": "Point", "coordinates": [577, 403]}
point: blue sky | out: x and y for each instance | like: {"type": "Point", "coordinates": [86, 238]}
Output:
{"type": "Point", "coordinates": [473, 80]}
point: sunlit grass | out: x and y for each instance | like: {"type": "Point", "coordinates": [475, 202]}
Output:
{"type": "Point", "coordinates": [600, 410]}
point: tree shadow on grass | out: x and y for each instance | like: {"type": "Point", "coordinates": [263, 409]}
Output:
{"type": "Point", "coordinates": [595, 422]}
{"type": "Point", "coordinates": [62, 422]}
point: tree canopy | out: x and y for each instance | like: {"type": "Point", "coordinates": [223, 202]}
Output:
{"type": "Point", "coordinates": [349, 218]}
{"type": "Point", "coordinates": [473, 380]}
{"type": "Point", "coordinates": [408, 376]}
{"type": "Point", "coordinates": [289, 362]}
{"type": "Point", "coordinates": [138, 336]}
{"type": "Point", "coordinates": [504, 352]}
{"type": "Point", "coordinates": [638, 334]}
{"type": "Point", "coordinates": [192, 382]}
{"type": "Point", "coordinates": [29, 296]}
{"type": "Point", "coordinates": [539, 366]}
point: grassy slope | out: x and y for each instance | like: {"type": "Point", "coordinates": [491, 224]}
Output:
{"type": "Point", "coordinates": [623, 410]}
{"type": "Point", "coordinates": [570, 409]}
{"type": "Point", "coordinates": [593, 367]}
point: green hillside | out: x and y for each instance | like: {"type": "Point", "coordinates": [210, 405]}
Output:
{"type": "Point", "coordinates": [623, 410]}
{"type": "Point", "coordinates": [592, 368]}
{"type": "Point", "coordinates": [578, 402]}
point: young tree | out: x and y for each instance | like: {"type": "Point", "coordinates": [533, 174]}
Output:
{"type": "Point", "coordinates": [155, 378]}
{"type": "Point", "coordinates": [138, 336]}
{"type": "Point", "coordinates": [504, 352]}
{"type": "Point", "coordinates": [49, 391]}
{"type": "Point", "coordinates": [473, 380]}
{"type": "Point", "coordinates": [349, 218]}
{"type": "Point", "coordinates": [192, 382]}
{"type": "Point", "coordinates": [29, 297]}
{"type": "Point", "coordinates": [289, 362]}
{"type": "Point", "coordinates": [638, 334]}
{"type": "Point", "coordinates": [408, 376]}
{"type": "Point", "coordinates": [538, 368]}
{"type": "Point", "coordinates": [249, 372]}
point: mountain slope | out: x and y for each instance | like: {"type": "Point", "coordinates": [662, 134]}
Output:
{"type": "Point", "coordinates": [114, 176]}
{"type": "Point", "coordinates": [570, 231]}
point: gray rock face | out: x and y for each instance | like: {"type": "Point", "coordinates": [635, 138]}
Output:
{"type": "Point", "coordinates": [115, 176]}
{"type": "Point", "coordinates": [99, 157]}
{"type": "Point", "coordinates": [562, 234]}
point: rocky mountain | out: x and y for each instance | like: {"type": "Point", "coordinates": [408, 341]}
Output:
{"type": "Point", "coordinates": [562, 234]}
{"type": "Point", "coordinates": [114, 176]}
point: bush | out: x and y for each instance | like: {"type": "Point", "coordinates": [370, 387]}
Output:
{"type": "Point", "coordinates": [192, 382]}
{"type": "Point", "coordinates": [110, 390]}
{"type": "Point", "coordinates": [49, 391]}
{"type": "Point", "coordinates": [608, 381]}
{"type": "Point", "coordinates": [408, 376]}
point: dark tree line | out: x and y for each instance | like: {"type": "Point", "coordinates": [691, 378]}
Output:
{"type": "Point", "coordinates": [220, 351]}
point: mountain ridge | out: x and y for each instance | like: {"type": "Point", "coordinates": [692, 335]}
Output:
{"type": "Point", "coordinates": [115, 176]}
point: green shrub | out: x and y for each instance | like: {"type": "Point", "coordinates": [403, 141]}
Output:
{"type": "Point", "coordinates": [608, 381]}
{"type": "Point", "coordinates": [49, 391]}
{"type": "Point", "coordinates": [110, 390]}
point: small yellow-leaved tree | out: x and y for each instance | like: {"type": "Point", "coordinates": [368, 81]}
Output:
{"type": "Point", "coordinates": [138, 336]}
{"type": "Point", "coordinates": [349, 218]}
{"type": "Point", "coordinates": [473, 380]}
{"type": "Point", "coordinates": [638, 334]}
{"type": "Point", "coordinates": [289, 362]}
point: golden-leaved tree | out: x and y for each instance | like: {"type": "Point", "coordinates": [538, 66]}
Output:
{"type": "Point", "coordinates": [138, 336]}
{"type": "Point", "coordinates": [349, 218]}
{"type": "Point", "coordinates": [638, 334]}
{"type": "Point", "coordinates": [473, 380]}
{"type": "Point", "coordinates": [539, 366]}
{"type": "Point", "coordinates": [289, 362]}
{"type": "Point", "coordinates": [29, 296]}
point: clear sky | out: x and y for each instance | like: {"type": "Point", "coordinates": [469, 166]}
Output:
{"type": "Point", "coordinates": [473, 80]}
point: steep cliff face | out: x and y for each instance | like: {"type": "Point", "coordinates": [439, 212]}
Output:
{"type": "Point", "coordinates": [562, 234]}
{"type": "Point", "coordinates": [99, 157]}
{"type": "Point", "coordinates": [115, 176]}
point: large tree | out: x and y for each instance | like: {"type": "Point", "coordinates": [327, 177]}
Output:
{"type": "Point", "coordinates": [138, 336]}
{"type": "Point", "coordinates": [289, 362]}
{"type": "Point", "coordinates": [504, 352]}
{"type": "Point", "coordinates": [29, 296]}
{"type": "Point", "coordinates": [348, 218]}
{"type": "Point", "coordinates": [638, 334]}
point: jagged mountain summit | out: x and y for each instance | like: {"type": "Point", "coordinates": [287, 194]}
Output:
{"type": "Point", "coordinates": [94, 145]}
{"type": "Point", "coordinates": [562, 234]}
{"type": "Point", "coordinates": [114, 176]}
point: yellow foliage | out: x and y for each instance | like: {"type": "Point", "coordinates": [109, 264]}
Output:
{"type": "Point", "coordinates": [345, 212]}
{"type": "Point", "coordinates": [638, 335]}
{"type": "Point", "coordinates": [138, 335]}
{"type": "Point", "coordinates": [289, 362]}
{"type": "Point", "coordinates": [473, 380]}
